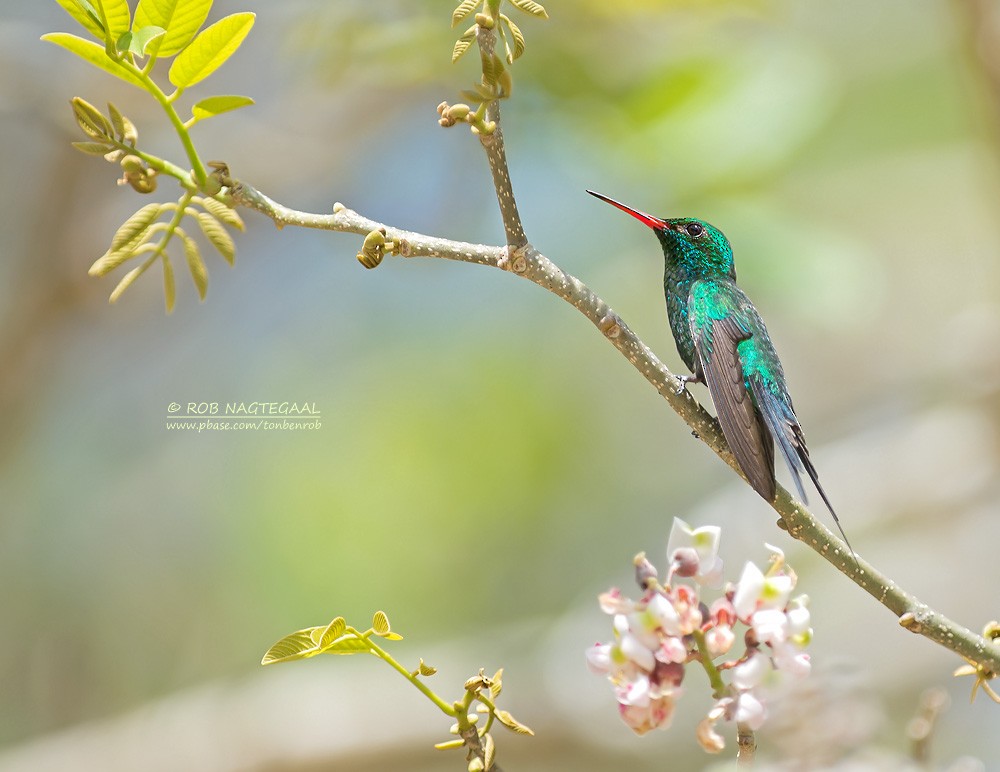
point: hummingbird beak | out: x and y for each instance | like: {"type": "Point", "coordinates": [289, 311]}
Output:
{"type": "Point", "coordinates": [653, 222]}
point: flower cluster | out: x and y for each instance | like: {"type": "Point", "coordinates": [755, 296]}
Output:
{"type": "Point", "coordinates": [670, 626]}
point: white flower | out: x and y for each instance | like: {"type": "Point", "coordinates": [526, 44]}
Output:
{"type": "Point", "coordinates": [637, 651]}
{"type": "Point", "coordinates": [750, 711]}
{"type": "Point", "coordinates": [792, 660]}
{"type": "Point", "coordinates": [755, 591]}
{"type": "Point", "coordinates": [661, 610]}
{"type": "Point", "coordinates": [751, 673]}
{"type": "Point", "coordinates": [770, 625]}
{"type": "Point", "coordinates": [654, 715]}
{"type": "Point", "coordinates": [705, 542]}
{"type": "Point", "coordinates": [599, 658]}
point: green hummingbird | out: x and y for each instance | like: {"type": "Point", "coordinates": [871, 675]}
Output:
{"type": "Point", "coordinates": [723, 341]}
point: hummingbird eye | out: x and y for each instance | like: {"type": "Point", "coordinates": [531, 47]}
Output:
{"type": "Point", "coordinates": [695, 229]}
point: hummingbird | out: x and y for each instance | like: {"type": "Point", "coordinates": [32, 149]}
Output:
{"type": "Point", "coordinates": [724, 343]}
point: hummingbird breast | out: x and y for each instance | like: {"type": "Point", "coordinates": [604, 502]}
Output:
{"type": "Point", "coordinates": [676, 289]}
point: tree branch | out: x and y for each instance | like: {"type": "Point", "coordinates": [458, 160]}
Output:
{"type": "Point", "coordinates": [522, 259]}
{"type": "Point", "coordinates": [529, 263]}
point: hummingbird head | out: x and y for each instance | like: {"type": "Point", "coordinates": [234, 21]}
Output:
{"type": "Point", "coordinates": [689, 244]}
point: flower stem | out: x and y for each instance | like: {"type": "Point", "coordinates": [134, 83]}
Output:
{"type": "Point", "coordinates": [705, 657]}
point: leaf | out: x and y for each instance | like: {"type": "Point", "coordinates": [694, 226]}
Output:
{"type": "Point", "coordinates": [110, 260]}
{"type": "Point", "coordinates": [91, 120]}
{"type": "Point", "coordinates": [93, 53]}
{"type": "Point", "coordinates": [464, 9]}
{"type": "Point", "coordinates": [217, 105]}
{"type": "Point", "coordinates": [489, 751]}
{"type": "Point", "coordinates": [463, 43]}
{"type": "Point", "coordinates": [218, 236]}
{"type": "Point", "coordinates": [84, 13]}
{"type": "Point", "coordinates": [93, 148]}
{"type": "Point", "coordinates": [515, 32]}
{"type": "Point", "coordinates": [479, 93]}
{"type": "Point", "coordinates": [126, 282]}
{"type": "Point", "coordinates": [207, 52]}
{"type": "Point", "coordinates": [332, 632]}
{"type": "Point", "coordinates": [505, 718]}
{"type": "Point", "coordinates": [141, 41]}
{"type": "Point", "coordinates": [169, 285]}
{"type": "Point", "coordinates": [180, 18]}
{"type": "Point", "coordinates": [221, 212]}
{"type": "Point", "coordinates": [488, 64]}
{"type": "Point", "coordinates": [297, 645]}
{"type": "Point", "coordinates": [347, 645]}
{"type": "Point", "coordinates": [133, 228]}
{"type": "Point", "coordinates": [530, 6]}
{"type": "Point", "coordinates": [380, 624]}
{"type": "Point", "coordinates": [117, 120]}
{"type": "Point", "coordinates": [124, 128]}
{"type": "Point", "coordinates": [127, 241]}
{"type": "Point", "coordinates": [496, 685]}
{"type": "Point", "coordinates": [118, 15]}
{"type": "Point", "coordinates": [426, 670]}
{"type": "Point", "coordinates": [199, 273]}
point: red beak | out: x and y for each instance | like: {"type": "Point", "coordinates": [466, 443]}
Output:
{"type": "Point", "coordinates": [653, 222]}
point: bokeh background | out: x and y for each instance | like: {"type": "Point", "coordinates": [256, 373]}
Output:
{"type": "Point", "coordinates": [487, 463]}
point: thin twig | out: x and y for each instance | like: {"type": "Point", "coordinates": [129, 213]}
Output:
{"type": "Point", "coordinates": [493, 144]}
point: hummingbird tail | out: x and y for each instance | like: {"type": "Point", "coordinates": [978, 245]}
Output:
{"type": "Point", "coordinates": [785, 429]}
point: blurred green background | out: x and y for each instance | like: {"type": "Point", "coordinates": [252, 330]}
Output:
{"type": "Point", "coordinates": [487, 464]}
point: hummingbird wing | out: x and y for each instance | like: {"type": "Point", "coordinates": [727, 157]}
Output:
{"type": "Point", "coordinates": [747, 385]}
{"type": "Point", "coordinates": [779, 415]}
{"type": "Point", "coordinates": [719, 328]}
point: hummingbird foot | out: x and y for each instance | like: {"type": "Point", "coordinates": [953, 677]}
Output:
{"type": "Point", "coordinates": [684, 380]}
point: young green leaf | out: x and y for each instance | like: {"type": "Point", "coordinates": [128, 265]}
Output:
{"type": "Point", "coordinates": [180, 18]}
{"type": "Point", "coordinates": [380, 623]}
{"type": "Point", "coordinates": [489, 751]}
{"type": "Point", "coordinates": [207, 52]}
{"type": "Point", "coordinates": [126, 282]}
{"type": "Point", "coordinates": [117, 120]}
{"type": "Point", "coordinates": [297, 645]}
{"type": "Point", "coordinates": [169, 285]}
{"type": "Point", "coordinates": [426, 670]}
{"type": "Point", "coordinates": [515, 32]}
{"type": "Point", "coordinates": [332, 632]}
{"type": "Point", "coordinates": [118, 15]}
{"type": "Point", "coordinates": [505, 718]}
{"type": "Point", "coordinates": [93, 53]}
{"type": "Point", "coordinates": [86, 15]}
{"type": "Point", "coordinates": [91, 120]}
{"type": "Point", "coordinates": [135, 226]}
{"type": "Point", "coordinates": [199, 273]}
{"type": "Point", "coordinates": [221, 212]}
{"type": "Point", "coordinates": [464, 9]}
{"type": "Point", "coordinates": [217, 105]}
{"type": "Point", "coordinates": [93, 148]}
{"type": "Point", "coordinates": [530, 6]}
{"type": "Point", "coordinates": [141, 42]}
{"type": "Point", "coordinates": [463, 43]}
{"type": "Point", "coordinates": [218, 236]}
{"type": "Point", "coordinates": [496, 685]}
{"type": "Point", "coordinates": [347, 645]}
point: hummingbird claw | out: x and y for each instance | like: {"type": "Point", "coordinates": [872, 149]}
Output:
{"type": "Point", "coordinates": [684, 381]}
